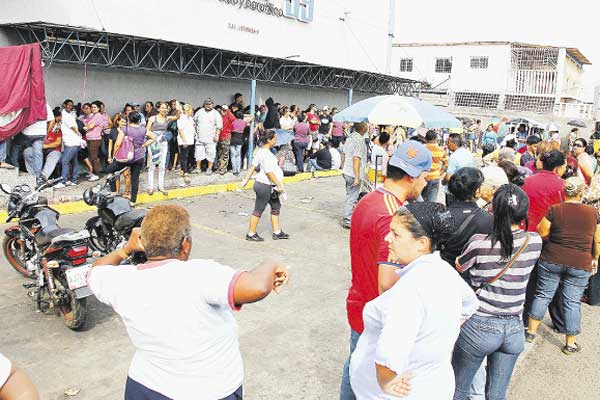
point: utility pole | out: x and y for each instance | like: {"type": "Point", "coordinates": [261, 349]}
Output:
{"type": "Point", "coordinates": [391, 33]}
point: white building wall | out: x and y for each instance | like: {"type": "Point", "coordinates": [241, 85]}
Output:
{"type": "Point", "coordinates": [358, 42]}
{"type": "Point", "coordinates": [494, 79]}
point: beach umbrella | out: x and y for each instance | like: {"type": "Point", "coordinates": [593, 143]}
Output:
{"type": "Point", "coordinates": [398, 110]}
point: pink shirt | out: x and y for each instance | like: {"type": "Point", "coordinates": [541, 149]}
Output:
{"type": "Point", "coordinates": [99, 122]}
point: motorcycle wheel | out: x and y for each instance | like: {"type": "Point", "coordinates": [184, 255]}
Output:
{"type": "Point", "coordinates": [97, 238]}
{"type": "Point", "coordinates": [73, 311]}
{"type": "Point", "coordinates": [10, 247]}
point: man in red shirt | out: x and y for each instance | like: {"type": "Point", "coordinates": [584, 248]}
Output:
{"type": "Point", "coordinates": [224, 143]}
{"type": "Point", "coordinates": [406, 177]}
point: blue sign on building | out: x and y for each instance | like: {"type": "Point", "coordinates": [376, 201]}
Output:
{"type": "Point", "coordinates": [302, 10]}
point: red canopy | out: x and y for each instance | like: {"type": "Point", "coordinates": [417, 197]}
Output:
{"type": "Point", "coordinates": [21, 88]}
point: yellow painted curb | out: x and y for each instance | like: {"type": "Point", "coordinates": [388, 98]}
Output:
{"type": "Point", "coordinates": [76, 207]}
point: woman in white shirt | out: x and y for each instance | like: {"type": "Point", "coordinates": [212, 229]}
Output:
{"type": "Point", "coordinates": [410, 330]}
{"type": "Point", "coordinates": [268, 187]}
{"type": "Point", "coordinates": [287, 120]}
{"type": "Point", "coordinates": [185, 140]}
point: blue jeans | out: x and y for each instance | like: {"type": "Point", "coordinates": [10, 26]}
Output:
{"type": "Point", "coordinates": [312, 165]}
{"type": "Point", "coordinates": [136, 391]}
{"type": "Point", "coordinates": [236, 157]}
{"type": "Point", "coordinates": [501, 339]}
{"type": "Point", "coordinates": [299, 150]}
{"type": "Point", "coordinates": [34, 157]}
{"type": "Point", "coordinates": [2, 151]}
{"type": "Point", "coordinates": [70, 156]}
{"type": "Point", "coordinates": [573, 282]}
{"type": "Point", "coordinates": [430, 191]}
{"type": "Point", "coordinates": [346, 392]}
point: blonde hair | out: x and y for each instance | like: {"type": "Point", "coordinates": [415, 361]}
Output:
{"type": "Point", "coordinates": [574, 186]}
{"type": "Point", "coordinates": [187, 107]}
{"type": "Point", "coordinates": [164, 229]}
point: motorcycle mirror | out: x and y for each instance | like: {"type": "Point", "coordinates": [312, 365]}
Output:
{"type": "Point", "coordinates": [5, 187]}
{"type": "Point", "coordinates": [25, 188]}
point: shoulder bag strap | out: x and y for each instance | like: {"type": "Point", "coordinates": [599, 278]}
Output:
{"type": "Point", "coordinates": [507, 266]}
{"type": "Point", "coordinates": [465, 223]}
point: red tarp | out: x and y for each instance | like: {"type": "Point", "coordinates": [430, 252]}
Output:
{"type": "Point", "coordinates": [21, 87]}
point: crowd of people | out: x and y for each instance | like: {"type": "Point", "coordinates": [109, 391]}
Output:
{"type": "Point", "coordinates": [454, 262]}
{"type": "Point", "coordinates": [170, 136]}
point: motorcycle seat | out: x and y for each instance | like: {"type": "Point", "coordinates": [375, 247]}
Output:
{"type": "Point", "coordinates": [130, 220]}
{"type": "Point", "coordinates": [44, 237]}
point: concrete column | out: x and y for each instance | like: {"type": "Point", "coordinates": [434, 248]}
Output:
{"type": "Point", "coordinates": [350, 94]}
{"type": "Point", "coordinates": [560, 74]}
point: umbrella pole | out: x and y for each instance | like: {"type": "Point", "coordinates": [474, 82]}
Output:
{"type": "Point", "coordinates": [253, 122]}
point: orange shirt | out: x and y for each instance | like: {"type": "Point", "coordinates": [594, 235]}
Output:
{"type": "Point", "coordinates": [438, 161]}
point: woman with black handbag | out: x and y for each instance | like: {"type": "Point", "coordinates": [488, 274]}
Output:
{"type": "Point", "coordinates": [268, 187]}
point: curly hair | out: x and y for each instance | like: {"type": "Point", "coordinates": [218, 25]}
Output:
{"type": "Point", "coordinates": [164, 229]}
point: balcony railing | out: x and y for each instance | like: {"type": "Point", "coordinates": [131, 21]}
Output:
{"type": "Point", "coordinates": [533, 82]}
{"type": "Point", "coordinates": [574, 110]}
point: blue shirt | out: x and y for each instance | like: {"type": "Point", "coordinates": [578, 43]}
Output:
{"type": "Point", "coordinates": [459, 159]}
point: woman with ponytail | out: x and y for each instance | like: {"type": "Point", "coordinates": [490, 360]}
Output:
{"type": "Point", "coordinates": [498, 267]}
{"type": "Point", "coordinates": [268, 186]}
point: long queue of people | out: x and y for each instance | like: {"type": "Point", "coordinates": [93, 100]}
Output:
{"type": "Point", "coordinates": [167, 136]}
{"type": "Point", "coordinates": [472, 281]}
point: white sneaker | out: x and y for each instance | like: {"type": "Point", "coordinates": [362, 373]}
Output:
{"type": "Point", "coordinates": [93, 178]}
{"type": "Point", "coordinates": [59, 185]}
{"type": "Point", "coordinates": [69, 183]}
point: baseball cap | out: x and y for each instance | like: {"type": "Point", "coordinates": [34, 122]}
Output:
{"type": "Point", "coordinates": [134, 104]}
{"type": "Point", "coordinates": [225, 107]}
{"type": "Point", "coordinates": [208, 101]}
{"type": "Point", "coordinates": [412, 157]}
{"type": "Point", "coordinates": [325, 108]}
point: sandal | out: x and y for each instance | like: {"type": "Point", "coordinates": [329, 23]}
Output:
{"type": "Point", "coordinates": [568, 350]}
{"type": "Point", "coordinates": [150, 192]}
{"type": "Point", "coordinates": [7, 166]}
{"type": "Point", "coordinates": [529, 337]}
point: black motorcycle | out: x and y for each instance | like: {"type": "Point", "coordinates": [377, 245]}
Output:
{"type": "Point", "coordinates": [116, 218]}
{"type": "Point", "coordinates": [54, 257]}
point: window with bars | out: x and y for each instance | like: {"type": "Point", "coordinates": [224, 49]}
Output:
{"type": "Point", "coordinates": [443, 65]}
{"type": "Point", "coordinates": [406, 65]}
{"type": "Point", "coordinates": [479, 62]}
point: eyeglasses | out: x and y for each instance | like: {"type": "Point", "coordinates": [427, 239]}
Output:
{"type": "Point", "coordinates": [577, 145]}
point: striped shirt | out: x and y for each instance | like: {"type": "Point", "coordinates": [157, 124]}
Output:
{"type": "Point", "coordinates": [506, 295]}
{"type": "Point", "coordinates": [439, 160]}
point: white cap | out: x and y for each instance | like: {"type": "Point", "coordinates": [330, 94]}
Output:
{"type": "Point", "coordinates": [325, 108]}
{"type": "Point", "coordinates": [494, 176]}
{"type": "Point", "coordinates": [553, 128]}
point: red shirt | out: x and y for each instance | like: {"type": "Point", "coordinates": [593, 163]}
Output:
{"type": "Point", "coordinates": [228, 119]}
{"type": "Point", "coordinates": [543, 189]}
{"type": "Point", "coordinates": [370, 225]}
{"type": "Point", "coordinates": [53, 137]}
{"type": "Point", "coordinates": [313, 117]}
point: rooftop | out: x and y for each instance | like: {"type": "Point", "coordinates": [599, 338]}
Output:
{"type": "Point", "coordinates": [572, 51]}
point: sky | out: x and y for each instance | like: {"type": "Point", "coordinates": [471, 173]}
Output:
{"type": "Point", "coordinates": [550, 22]}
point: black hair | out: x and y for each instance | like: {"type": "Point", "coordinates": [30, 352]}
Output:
{"type": "Point", "coordinates": [86, 104]}
{"type": "Point", "coordinates": [237, 95]}
{"type": "Point", "coordinates": [97, 104]}
{"type": "Point", "coordinates": [56, 111]}
{"type": "Point", "coordinates": [512, 143]}
{"type": "Point", "coordinates": [456, 139]}
{"type": "Point", "coordinates": [301, 118]}
{"type": "Point", "coordinates": [293, 108]}
{"type": "Point", "coordinates": [512, 172]}
{"type": "Point", "coordinates": [384, 137]}
{"type": "Point", "coordinates": [478, 121]}
{"type": "Point", "coordinates": [418, 138]}
{"type": "Point", "coordinates": [552, 159]}
{"type": "Point", "coordinates": [394, 173]}
{"type": "Point", "coordinates": [427, 219]}
{"type": "Point", "coordinates": [431, 135]}
{"type": "Point", "coordinates": [510, 205]}
{"type": "Point", "coordinates": [134, 117]}
{"type": "Point", "coordinates": [68, 101]}
{"type": "Point", "coordinates": [465, 182]}
{"type": "Point", "coordinates": [239, 114]}
{"type": "Point", "coordinates": [266, 136]}
{"type": "Point", "coordinates": [533, 139]}
{"type": "Point", "coordinates": [583, 141]}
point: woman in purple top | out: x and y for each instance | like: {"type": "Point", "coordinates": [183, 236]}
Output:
{"type": "Point", "coordinates": [302, 138]}
{"type": "Point", "coordinates": [337, 133]}
{"type": "Point", "coordinates": [141, 139]}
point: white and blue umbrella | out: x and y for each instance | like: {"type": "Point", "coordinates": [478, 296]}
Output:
{"type": "Point", "coordinates": [284, 137]}
{"type": "Point", "coordinates": [398, 110]}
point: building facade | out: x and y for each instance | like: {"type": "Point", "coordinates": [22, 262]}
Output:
{"type": "Point", "coordinates": [503, 76]}
{"type": "Point", "coordinates": [298, 51]}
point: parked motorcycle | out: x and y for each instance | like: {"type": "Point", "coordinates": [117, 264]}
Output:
{"type": "Point", "coordinates": [116, 218]}
{"type": "Point", "coordinates": [54, 257]}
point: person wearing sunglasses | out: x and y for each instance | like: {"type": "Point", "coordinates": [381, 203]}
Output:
{"type": "Point", "coordinates": [584, 160]}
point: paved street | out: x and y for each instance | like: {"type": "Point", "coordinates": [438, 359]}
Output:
{"type": "Point", "coordinates": [294, 344]}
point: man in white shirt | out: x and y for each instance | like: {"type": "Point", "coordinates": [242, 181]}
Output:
{"type": "Point", "coordinates": [71, 144]}
{"type": "Point", "coordinates": [178, 312]}
{"type": "Point", "coordinates": [208, 127]}
{"type": "Point", "coordinates": [35, 134]}
{"type": "Point", "coordinates": [379, 155]}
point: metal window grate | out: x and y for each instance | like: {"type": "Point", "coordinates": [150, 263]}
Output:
{"type": "Point", "coordinates": [443, 65]}
{"type": "Point", "coordinates": [406, 65]}
{"type": "Point", "coordinates": [479, 62]}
